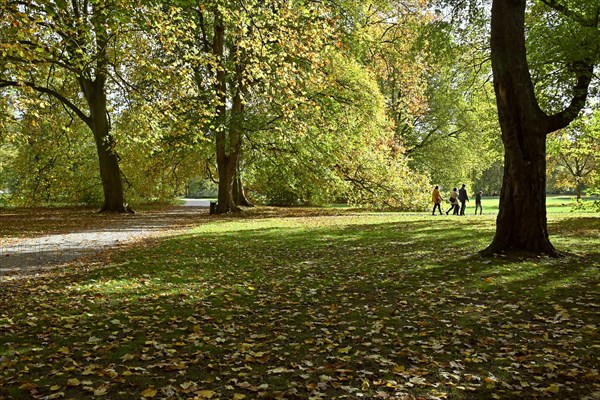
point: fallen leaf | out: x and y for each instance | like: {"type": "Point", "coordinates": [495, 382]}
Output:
{"type": "Point", "coordinates": [150, 392]}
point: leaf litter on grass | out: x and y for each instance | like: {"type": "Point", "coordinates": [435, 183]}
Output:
{"type": "Point", "coordinates": [307, 307]}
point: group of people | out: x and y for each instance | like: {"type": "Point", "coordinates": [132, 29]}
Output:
{"type": "Point", "coordinates": [458, 201]}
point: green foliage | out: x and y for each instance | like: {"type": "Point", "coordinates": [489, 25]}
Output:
{"type": "Point", "coordinates": [338, 145]}
{"type": "Point", "coordinates": [160, 176]}
{"type": "Point", "coordinates": [346, 101]}
{"type": "Point", "coordinates": [201, 188]}
{"type": "Point", "coordinates": [560, 39]}
{"type": "Point", "coordinates": [456, 137]}
{"type": "Point", "coordinates": [50, 163]}
{"type": "Point", "coordinates": [573, 154]}
{"type": "Point", "coordinates": [490, 180]}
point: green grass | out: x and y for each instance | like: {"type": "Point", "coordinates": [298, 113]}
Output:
{"type": "Point", "coordinates": [301, 305]}
{"type": "Point", "coordinates": [554, 205]}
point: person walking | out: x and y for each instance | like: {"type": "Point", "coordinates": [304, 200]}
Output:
{"type": "Point", "coordinates": [463, 197]}
{"type": "Point", "coordinates": [478, 203]}
{"type": "Point", "coordinates": [453, 202]}
{"type": "Point", "coordinates": [436, 198]}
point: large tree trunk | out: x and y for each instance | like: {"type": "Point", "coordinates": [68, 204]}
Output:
{"type": "Point", "coordinates": [229, 134]}
{"type": "Point", "coordinates": [94, 91]}
{"type": "Point", "coordinates": [228, 152]}
{"type": "Point", "coordinates": [225, 166]}
{"type": "Point", "coordinates": [110, 173]}
{"type": "Point", "coordinates": [521, 226]}
{"type": "Point", "coordinates": [239, 195]}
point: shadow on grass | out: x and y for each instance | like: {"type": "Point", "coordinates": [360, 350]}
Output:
{"type": "Point", "coordinates": [311, 309]}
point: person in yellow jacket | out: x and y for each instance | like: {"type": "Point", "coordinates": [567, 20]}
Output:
{"type": "Point", "coordinates": [436, 198]}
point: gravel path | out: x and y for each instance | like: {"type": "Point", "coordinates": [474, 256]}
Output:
{"type": "Point", "coordinates": [27, 257]}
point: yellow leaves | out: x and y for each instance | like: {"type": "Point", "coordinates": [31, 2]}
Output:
{"type": "Point", "coordinates": [73, 382]}
{"type": "Point", "coordinates": [101, 391]}
{"type": "Point", "coordinates": [150, 392]}
{"type": "Point", "coordinates": [398, 369]}
{"type": "Point", "coordinates": [365, 384]}
{"type": "Point", "coordinates": [94, 340]}
{"type": "Point", "coordinates": [205, 394]}
{"type": "Point", "coordinates": [28, 386]}
{"type": "Point", "coordinates": [327, 334]}
{"type": "Point", "coordinates": [89, 370]}
{"type": "Point", "coordinates": [279, 370]}
{"type": "Point", "coordinates": [553, 388]}
{"type": "Point", "coordinates": [111, 373]}
{"type": "Point", "coordinates": [127, 357]}
{"type": "Point", "coordinates": [345, 350]}
{"type": "Point", "coordinates": [490, 382]}
{"type": "Point", "coordinates": [187, 385]}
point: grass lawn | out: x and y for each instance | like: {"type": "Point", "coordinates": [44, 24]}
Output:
{"type": "Point", "coordinates": [554, 205]}
{"type": "Point", "coordinates": [315, 304]}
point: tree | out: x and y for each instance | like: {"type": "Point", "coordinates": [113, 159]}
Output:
{"type": "Point", "coordinates": [68, 50]}
{"type": "Point", "coordinates": [521, 225]}
{"type": "Point", "coordinates": [256, 49]}
{"type": "Point", "coordinates": [309, 163]}
{"type": "Point", "coordinates": [52, 160]}
{"type": "Point", "coordinates": [436, 80]}
{"type": "Point", "coordinates": [573, 153]}
{"type": "Point", "coordinates": [574, 166]}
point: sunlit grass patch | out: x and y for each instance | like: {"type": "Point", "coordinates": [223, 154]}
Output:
{"type": "Point", "coordinates": [344, 305]}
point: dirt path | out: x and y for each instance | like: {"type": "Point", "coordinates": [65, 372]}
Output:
{"type": "Point", "coordinates": [36, 241]}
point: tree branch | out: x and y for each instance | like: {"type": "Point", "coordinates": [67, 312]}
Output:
{"type": "Point", "coordinates": [563, 8]}
{"type": "Point", "coordinates": [51, 92]}
{"type": "Point", "coordinates": [585, 73]}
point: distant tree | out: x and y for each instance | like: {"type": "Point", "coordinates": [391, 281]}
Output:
{"type": "Point", "coordinates": [574, 153]}
{"type": "Point", "coordinates": [53, 161]}
{"type": "Point", "coordinates": [338, 146]}
{"type": "Point", "coordinates": [490, 180]}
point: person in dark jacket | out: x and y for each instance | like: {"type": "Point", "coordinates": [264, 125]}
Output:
{"type": "Point", "coordinates": [478, 203]}
{"type": "Point", "coordinates": [463, 198]}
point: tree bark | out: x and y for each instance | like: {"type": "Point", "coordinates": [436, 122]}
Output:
{"type": "Point", "coordinates": [521, 226]}
{"type": "Point", "coordinates": [94, 90]}
{"type": "Point", "coordinates": [239, 195]}
{"type": "Point", "coordinates": [224, 197]}
{"type": "Point", "coordinates": [110, 173]}
{"type": "Point", "coordinates": [229, 132]}
{"type": "Point", "coordinates": [228, 153]}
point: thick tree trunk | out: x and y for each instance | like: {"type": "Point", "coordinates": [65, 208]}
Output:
{"type": "Point", "coordinates": [94, 91]}
{"type": "Point", "coordinates": [228, 153]}
{"type": "Point", "coordinates": [239, 195]}
{"type": "Point", "coordinates": [521, 226]}
{"type": "Point", "coordinates": [225, 157]}
{"type": "Point", "coordinates": [226, 177]}
{"type": "Point", "coordinates": [110, 173]}
{"type": "Point", "coordinates": [229, 134]}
